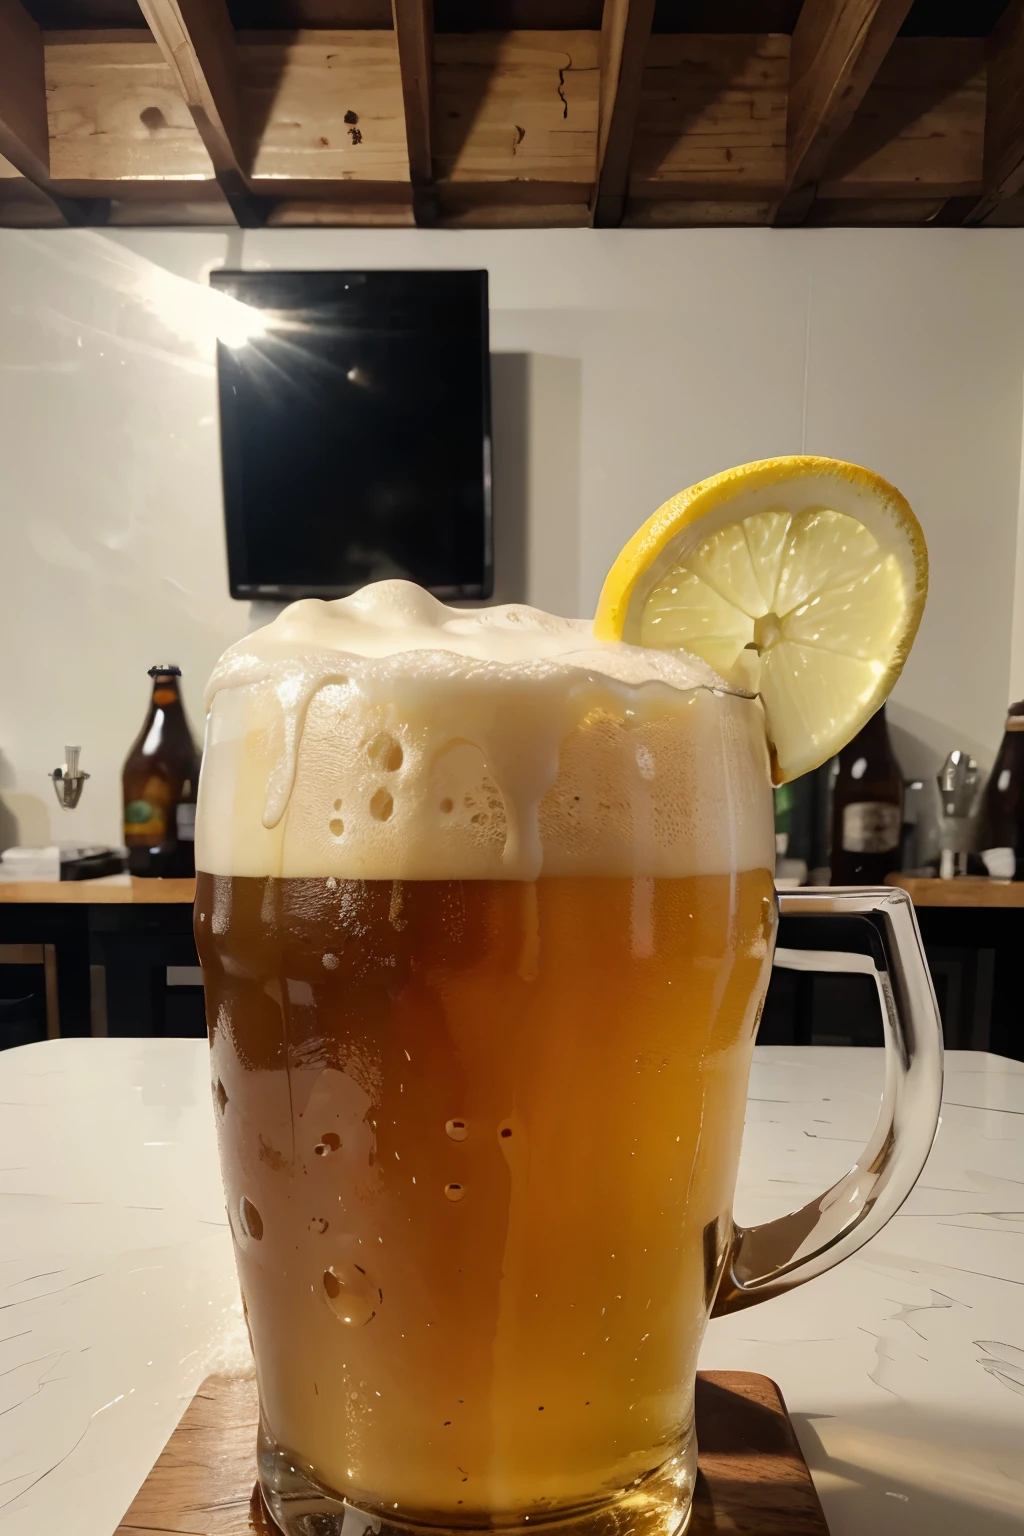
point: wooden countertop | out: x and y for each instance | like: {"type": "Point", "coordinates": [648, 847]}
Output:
{"type": "Point", "coordinates": [967, 891]}
{"type": "Point", "coordinates": [112, 890]}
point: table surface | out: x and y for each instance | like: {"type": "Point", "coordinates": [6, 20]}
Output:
{"type": "Point", "coordinates": [965, 891]}
{"type": "Point", "coordinates": [903, 1368]}
{"type": "Point", "coordinates": [110, 890]}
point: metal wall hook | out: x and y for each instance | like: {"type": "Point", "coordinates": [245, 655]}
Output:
{"type": "Point", "coordinates": [68, 779]}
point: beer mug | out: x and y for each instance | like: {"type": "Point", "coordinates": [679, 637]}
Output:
{"type": "Point", "coordinates": [486, 915]}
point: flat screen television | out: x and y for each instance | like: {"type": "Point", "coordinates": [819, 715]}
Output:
{"type": "Point", "coordinates": [355, 432]}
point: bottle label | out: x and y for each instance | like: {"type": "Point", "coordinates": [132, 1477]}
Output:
{"type": "Point", "coordinates": [870, 826]}
{"type": "Point", "coordinates": [144, 823]}
{"type": "Point", "coordinates": [1015, 722]}
{"type": "Point", "coordinates": [148, 818]}
{"type": "Point", "coordinates": [1001, 863]}
{"type": "Point", "coordinates": [185, 820]}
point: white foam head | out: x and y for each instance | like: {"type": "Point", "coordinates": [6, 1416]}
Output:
{"type": "Point", "coordinates": [387, 736]}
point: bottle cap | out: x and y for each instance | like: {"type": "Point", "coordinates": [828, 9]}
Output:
{"type": "Point", "coordinates": [170, 671]}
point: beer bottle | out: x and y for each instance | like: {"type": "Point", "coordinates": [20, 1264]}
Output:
{"type": "Point", "coordinates": [792, 830]}
{"type": "Point", "coordinates": [1001, 822]}
{"type": "Point", "coordinates": [867, 808]}
{"type": "Point", "coordinates": [802, 827]}
{"type": "Point", "coordinates": [160, 780]}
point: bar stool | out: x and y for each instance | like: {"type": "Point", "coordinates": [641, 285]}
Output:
{"type": "Point", "coordinates": [46, 956]}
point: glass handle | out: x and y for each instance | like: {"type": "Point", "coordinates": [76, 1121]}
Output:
{"type": "Point", "coordinates": [765, 1260]}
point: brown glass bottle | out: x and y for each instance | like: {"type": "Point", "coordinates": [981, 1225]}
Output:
{"type": "Point", "coordinates": [867, 808]}
{"type": "Point", "coordinates": [1001, 820]}
{"type": "Point", "coordinates": [160, 780]}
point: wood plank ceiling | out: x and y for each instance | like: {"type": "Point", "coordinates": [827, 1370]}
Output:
{"type": "Point", "coordinates": [512, 112]}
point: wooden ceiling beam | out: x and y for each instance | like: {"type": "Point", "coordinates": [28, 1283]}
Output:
{"type": "Point", "coordinates": [920, 128]}
{"type": "Point", "coordinates": [516, 115]}
{"type": "Point", "coordinates": [1003, 174]}
{"type": "Point", "coordinates": [712, 127]}
{"type": "Point", "coordinates": [197, 41]}
{"type": "Point", "coordinates": [838, 47]}
{"type": "Point", "coordinates": [1004, 111]}
{"type": "Point", "coordinates": [625, 34]}
{"type": "Point", "coordinates": [24, 130]}
{"type": "Point", "coordinates": [712, 121]}
{"type": "Point", "coordinates": [329, 105]}
{"type": "Point", "coordinates": [24, 136]}
{"type": "Point", "coordinates": [414, 32]}
{"type": "Point", "coordinates": [536, 127]}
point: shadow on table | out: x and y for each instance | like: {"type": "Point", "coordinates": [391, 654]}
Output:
{"type": "Point", "coordinates": [903, 1469]}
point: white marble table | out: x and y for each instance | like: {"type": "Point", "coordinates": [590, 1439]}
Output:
{"type": "Point", "coordinates": [904, 1369]}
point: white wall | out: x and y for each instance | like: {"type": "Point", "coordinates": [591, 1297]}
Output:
{"type": "Point", "coordinates": [651, 359]}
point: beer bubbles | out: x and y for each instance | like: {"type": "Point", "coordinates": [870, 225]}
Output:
{"type": "Point", "coordinates": [351, 1294]}
{"type": "Point", "coordinates": [250, 1219]}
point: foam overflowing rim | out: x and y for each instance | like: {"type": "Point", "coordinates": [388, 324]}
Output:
{"type": "Point", "coordinates": [402, 627]}
{"type": "Point", "coordinates": [513, 683]}
{"type": "Point", "coordinates": [239, 670]}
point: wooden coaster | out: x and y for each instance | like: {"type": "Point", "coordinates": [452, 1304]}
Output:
{"type": "Point", "coordinates": [752, 1478]}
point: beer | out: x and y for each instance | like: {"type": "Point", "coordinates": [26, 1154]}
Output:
{"type": "Point", "coordinates": [482, 988]}
{"type": "Point", "coordinates": [498, 1137]}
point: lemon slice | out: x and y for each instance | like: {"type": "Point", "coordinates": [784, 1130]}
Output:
{"type": "Point", "coordinates": [801, 579]}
